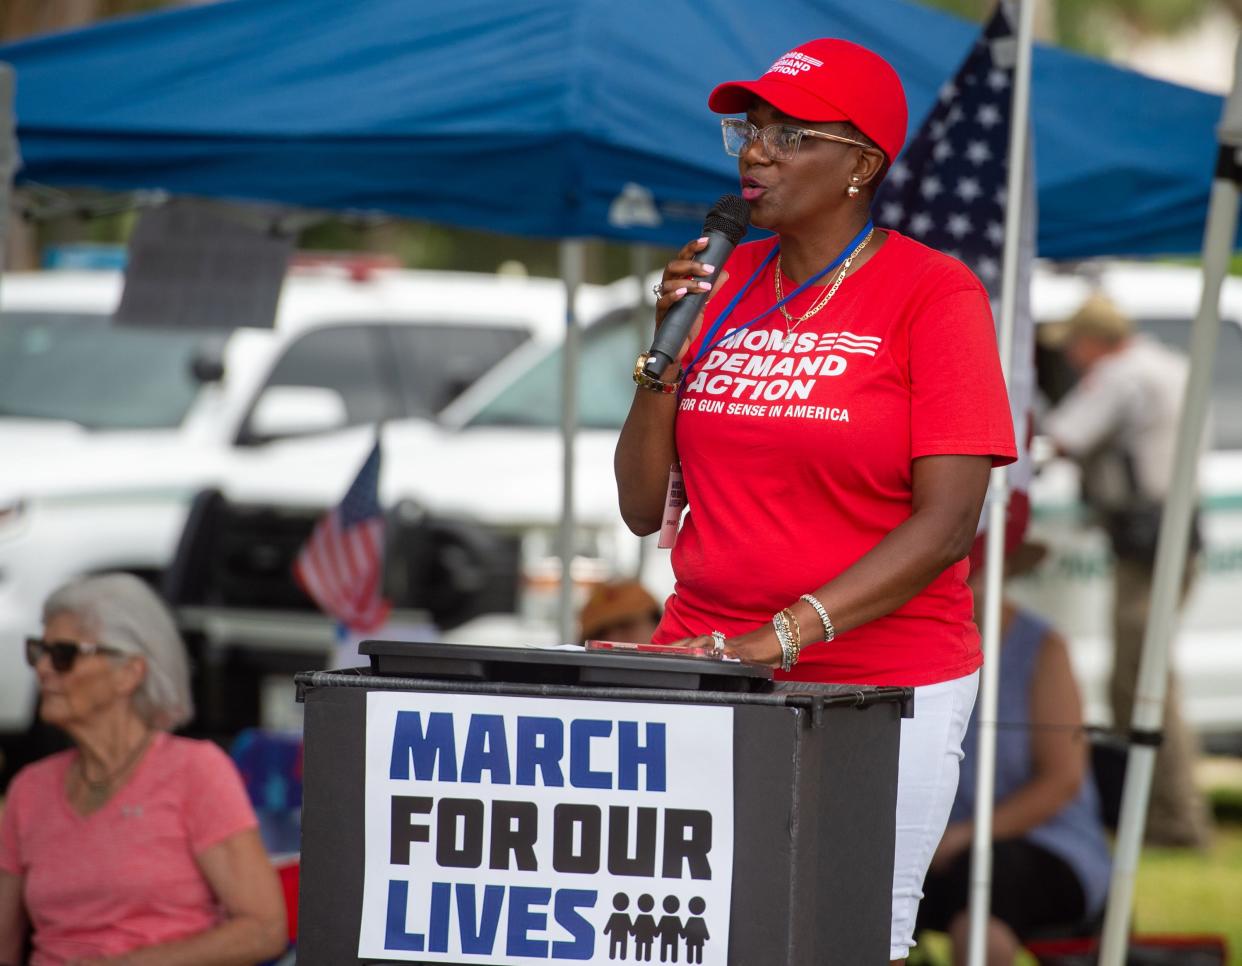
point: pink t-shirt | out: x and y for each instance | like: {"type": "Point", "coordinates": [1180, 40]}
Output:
{"type": "Point", "coordinates": [797, 454]}
{"type": "Point", "coordinates": [125, 876]}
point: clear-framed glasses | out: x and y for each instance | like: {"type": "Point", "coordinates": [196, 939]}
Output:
{"type": "Point", "coordinates": [780, 141]}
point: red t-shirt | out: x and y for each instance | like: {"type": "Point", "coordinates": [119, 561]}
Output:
{"type": "Point", "coordinates": [797, 462]}
{"type": "Point", "coordinates": [125, 876]}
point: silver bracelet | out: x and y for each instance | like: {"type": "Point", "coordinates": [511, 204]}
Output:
{"type": "Point", "coordinates": [829, 631]}
{"type": "Point", "coordinates": [782, 635]}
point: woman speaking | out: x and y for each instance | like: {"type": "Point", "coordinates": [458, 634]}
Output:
{"type": "Point", "coordinates": [834, 414]}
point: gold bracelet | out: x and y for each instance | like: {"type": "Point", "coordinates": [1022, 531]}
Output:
{"type": "Point", "coordinates": [644, 381]}
{"type": "Point", "coordinates": [795, 633]}
{"type": "Point", "coordinates": [785, 637]}
{"type": "Point", "coordinates": [789, 633]}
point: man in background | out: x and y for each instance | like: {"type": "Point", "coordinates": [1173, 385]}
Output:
{"type": "Point", "coordinates": [1120, 422]}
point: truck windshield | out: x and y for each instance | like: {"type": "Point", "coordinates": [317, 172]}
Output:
{"type": "Point", "coordinates": [604, 385]}
{"type": "Point", "coordinates": [79, 367]}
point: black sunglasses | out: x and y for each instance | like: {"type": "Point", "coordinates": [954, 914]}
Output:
{"type": "Point", "coordinates": [63, 654]}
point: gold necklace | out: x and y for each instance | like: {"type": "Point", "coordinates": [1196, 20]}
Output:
{"type": "Point", "coordinates": [822, 301]}
{"type": "Point", "coordinates": [98, 788]}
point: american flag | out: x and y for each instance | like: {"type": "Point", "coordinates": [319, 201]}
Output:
{"type": "Point", "coordinates": [948, 191]}
{"type": "Point", "coordinates": [948, 188]}
{"type": "Point", "coordinates": [341, 565]}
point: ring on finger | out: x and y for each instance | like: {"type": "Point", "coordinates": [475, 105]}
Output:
{"type": "Point", "coordinates": [718, 641]}
{"type": "Point", "coordinates": [657, 289]}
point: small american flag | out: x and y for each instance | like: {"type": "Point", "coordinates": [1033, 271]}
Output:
{"type": "Point", "coordinates": [341, 566]}
{"type": "Point", "coordinates": [948, 191]}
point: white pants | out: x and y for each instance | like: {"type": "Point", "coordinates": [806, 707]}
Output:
{"type": "Point", "coordinates": [927, 771]}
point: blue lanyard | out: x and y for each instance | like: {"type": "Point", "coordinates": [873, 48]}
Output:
{"type": "Point", "coordinates": [708, 344]}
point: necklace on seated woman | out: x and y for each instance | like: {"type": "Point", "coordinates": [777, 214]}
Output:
{"type": "Point", "coordinates": [99, 788]}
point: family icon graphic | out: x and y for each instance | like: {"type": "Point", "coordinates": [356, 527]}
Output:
{"type": "Point", "coordinates": [644, 929]}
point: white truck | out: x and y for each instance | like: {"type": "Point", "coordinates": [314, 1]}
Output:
{"type": "Point", "coordinates": [510, 410]}
{"type": "Point", "coordinates": [107, 433]}
{"type": "Point", "coordinates": [96, 478]}
{"type": "Point", "coordinates": [1074, 585]}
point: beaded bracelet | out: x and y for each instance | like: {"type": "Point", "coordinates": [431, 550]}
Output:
{"type": "Point", "coordinates": [829, 631]}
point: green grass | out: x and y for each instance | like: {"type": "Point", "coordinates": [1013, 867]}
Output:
{"type": "Point", "coordinates": [1183, 892]}
{"type": "Point", "coordinates": [1178, 892]}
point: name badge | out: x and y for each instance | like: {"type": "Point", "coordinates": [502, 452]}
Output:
{"type": "Point", "coordinates": [674, 503]}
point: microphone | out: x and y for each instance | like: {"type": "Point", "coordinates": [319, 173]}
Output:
{"type": "Point", "coordinates": [724, 227]}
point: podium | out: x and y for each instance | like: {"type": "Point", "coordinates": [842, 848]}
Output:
{"type": "Point", "coordinates": [505, 805]}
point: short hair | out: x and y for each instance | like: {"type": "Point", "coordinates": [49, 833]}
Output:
{"type": "Point", "coordinates": [1099, 318]}
{"type": "Point", "coordinates": [122, 612]}
{"type": "Point", "coordinates": [850, 130]}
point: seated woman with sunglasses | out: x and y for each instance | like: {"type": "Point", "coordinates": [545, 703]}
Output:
{"type": "Point", "coordinates": [136, 846]}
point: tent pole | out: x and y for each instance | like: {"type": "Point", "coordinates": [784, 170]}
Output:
{"type": "Point", "coordinates": [1174, 539]}
{"type": "Point", "coordinates": [8, 157]}
{"type": "Point", "coordinates": [640, 261]}
{"type": "Point", "coordinates": [998, 501]}
{"type": "Point", "coordinates": [573, 267]}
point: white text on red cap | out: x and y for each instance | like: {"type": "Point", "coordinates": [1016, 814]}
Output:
{"type": "Point", "coordinates": [794, 63]}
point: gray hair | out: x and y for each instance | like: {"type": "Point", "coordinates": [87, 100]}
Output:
{"type": "Point", "coordinates": [122, 612]}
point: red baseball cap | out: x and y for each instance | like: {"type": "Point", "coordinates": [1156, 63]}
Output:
{"type": "Point", "coordinates": [828, 80]}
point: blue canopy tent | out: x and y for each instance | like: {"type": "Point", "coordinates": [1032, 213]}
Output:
{"type": "Point", "coordinates": [555, 118]}
{"type": "Point", "coordinates": [533, 118]}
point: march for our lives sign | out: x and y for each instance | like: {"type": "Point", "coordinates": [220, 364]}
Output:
{"type": "Point", "coordinates": [525, 830]}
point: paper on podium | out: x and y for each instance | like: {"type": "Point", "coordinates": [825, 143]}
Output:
{"type": "Point", "coordinates": [701, 652]}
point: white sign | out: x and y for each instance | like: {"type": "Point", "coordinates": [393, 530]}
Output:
{"type": "Point", "coordinates": [505, 830]}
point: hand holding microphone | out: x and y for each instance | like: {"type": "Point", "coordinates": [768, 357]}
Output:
{"type": "Point", "coordinates": [689, 278]}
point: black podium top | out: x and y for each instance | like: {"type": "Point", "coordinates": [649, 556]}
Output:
{"type": "Point", "coordinates": [469, 662]}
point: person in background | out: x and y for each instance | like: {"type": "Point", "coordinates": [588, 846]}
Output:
{"type": "Point", "coordinates": [619, 610]}
{"type": "Point", "coordinates": [1050, 858]}
{"type": "Point", "coordinates": [135, 847]}
{"type": "Point", "coordinates": [1120, 422]}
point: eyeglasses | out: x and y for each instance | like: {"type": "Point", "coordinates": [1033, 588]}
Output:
{"type": "Point", "coordinates": [63, 654]}
{"type": "Point", "coordinates": [780, 141]}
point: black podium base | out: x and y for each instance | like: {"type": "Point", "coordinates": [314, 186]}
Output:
{"type": "Point", "coordinates": [815, 782]}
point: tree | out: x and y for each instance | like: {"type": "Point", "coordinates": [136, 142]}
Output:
{"type": "Point", "coordinates": [24, 18]}
{"type": "Point", "coordinates": [1092, 26]}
